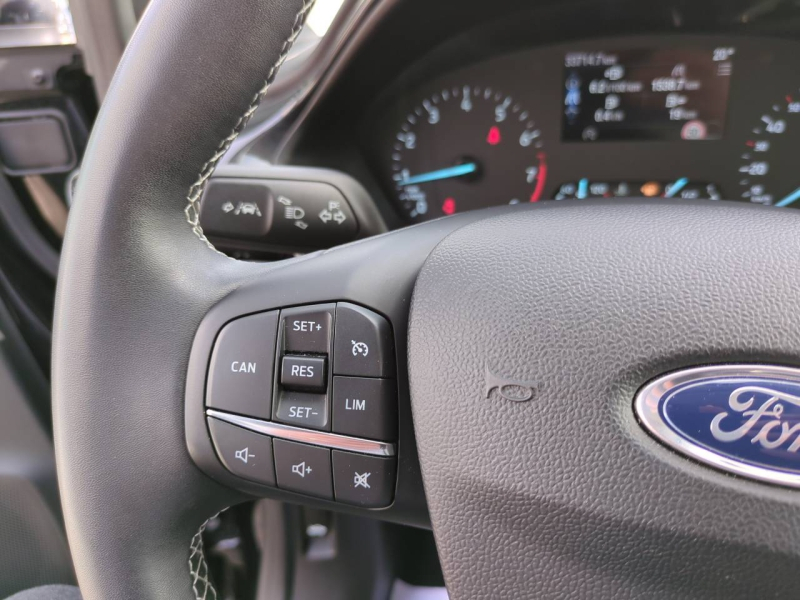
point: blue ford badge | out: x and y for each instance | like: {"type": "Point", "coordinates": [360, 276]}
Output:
{"type": "Point", "coordinates": [744, 419]}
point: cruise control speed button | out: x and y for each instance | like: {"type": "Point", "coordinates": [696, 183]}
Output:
{"type": "Point", "coordinates": [363, 480]}
{"type": "Point", "coordinates": [302, 468]}
{"type": "Point", "coordinates": [240, 372]}
{"type": "Point", "coordinates": [244, 453]}
{"type": "Point", "coordinates": [363, 345]}
{"type": "Point", "coordinates": [302, 409]}
{"type": "Point", "coordinates": [304, 373]}
{"type": "Point", "coordinates": [308, 329]}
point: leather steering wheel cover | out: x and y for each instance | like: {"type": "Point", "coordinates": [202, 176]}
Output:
{"type": "Point", "coordinates": [134, 283]}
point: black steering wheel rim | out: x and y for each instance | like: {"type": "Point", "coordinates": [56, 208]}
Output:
{"type": "Point", "coordinates": [135, 266]}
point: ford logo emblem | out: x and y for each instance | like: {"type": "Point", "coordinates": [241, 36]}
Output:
{"type": "Point", "coordinates": [744, 419]}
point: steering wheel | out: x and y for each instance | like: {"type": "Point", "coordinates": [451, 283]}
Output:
{"type": "Point", "coordinates": [560, 495]}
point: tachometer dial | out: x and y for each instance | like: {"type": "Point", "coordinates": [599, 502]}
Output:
{"type": "Point", "coordinates": [464, 148]}
{"type": "Point", "coordinates": [768, 167]}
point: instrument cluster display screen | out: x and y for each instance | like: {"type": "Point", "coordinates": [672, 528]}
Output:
{"type": "Point", "coordinates": [661, 94]}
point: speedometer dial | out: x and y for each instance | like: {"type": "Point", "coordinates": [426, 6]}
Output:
{"type": "Point", "coordinates": [768, 168]}
{"type": "Point", "coordinates": [464, 148]}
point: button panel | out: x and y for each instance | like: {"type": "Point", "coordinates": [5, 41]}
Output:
{"type": "Point", "coordinates": [317, 404]}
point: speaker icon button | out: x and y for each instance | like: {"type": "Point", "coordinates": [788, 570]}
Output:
{"type": "Point", "coordinates": [244, 453]}
{"type": "Point", "coordinates": [303, 468]}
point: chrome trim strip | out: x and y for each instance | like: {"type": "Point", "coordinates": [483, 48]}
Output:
{"type": "Point", "coordinates": [306, 436]}
{"type": "Point", "coordinates": [647, 403]}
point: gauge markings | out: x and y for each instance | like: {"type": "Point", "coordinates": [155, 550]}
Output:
{"type": "Point", "coordinates": [768, 157]}
{"type": "Point", "coordinates": [463, 147]}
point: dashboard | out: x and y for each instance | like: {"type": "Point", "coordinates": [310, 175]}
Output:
{"type": "Point", "coordinates": [675, 116]}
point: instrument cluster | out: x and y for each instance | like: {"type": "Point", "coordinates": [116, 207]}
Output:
{"type": "Point", "coordinates": [711, 117]}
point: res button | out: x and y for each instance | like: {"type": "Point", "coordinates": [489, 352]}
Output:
{"type": "Point", "coordinates": [304, 373]}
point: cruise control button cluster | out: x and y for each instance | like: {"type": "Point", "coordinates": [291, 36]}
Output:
{"type": "Point", "coordinates": [324, 367]}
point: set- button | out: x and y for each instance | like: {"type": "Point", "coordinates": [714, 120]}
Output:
{"type": "Point", "coordinates": [303, 410]}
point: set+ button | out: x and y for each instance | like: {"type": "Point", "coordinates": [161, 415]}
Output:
{"type": "Point", "coordinates": [308, 329]}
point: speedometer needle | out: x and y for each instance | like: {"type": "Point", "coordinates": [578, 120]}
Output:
{"type": "Point", "coordinates": [448, 173]}
{"type": "Point", "coordinates": [790, 198]}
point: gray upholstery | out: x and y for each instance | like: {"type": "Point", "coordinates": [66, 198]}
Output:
{"type": "Point", "coordinates": [49, 592]}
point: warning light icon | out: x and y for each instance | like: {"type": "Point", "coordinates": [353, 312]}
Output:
{"type": "Point", "coordinates": [493, 138]}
